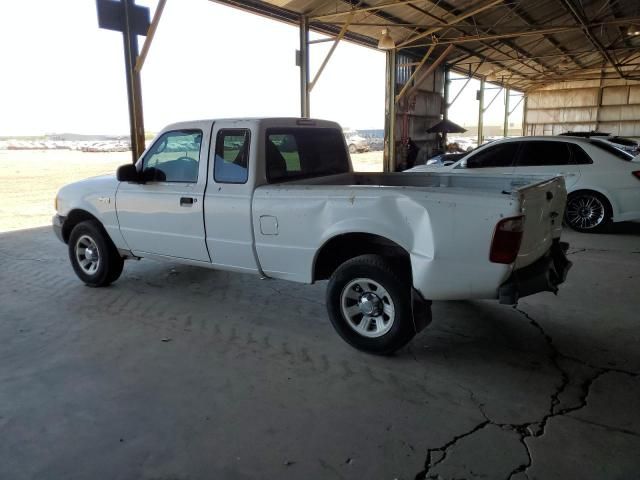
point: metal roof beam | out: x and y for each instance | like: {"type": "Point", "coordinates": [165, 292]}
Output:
{"type": "Point", "coordinates": [499, 36]}
{"type": "Point", "coordinates": [584, 24]}
{"type": "Point", "coordinates": [517, 10]}
{"type": "Point", "coordinates": [453, 11]}
{"type": "Point", "coordinates": [361, 9]}
{"type": "Point", "coordinates": [478, 54]}
{"type": "Point", "coordinates": [330, 53]}
{"type": "Point", "coordinates": [457, 19]}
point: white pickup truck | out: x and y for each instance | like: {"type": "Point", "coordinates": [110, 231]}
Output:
{"type": "Point", "coordinates": [279, 198]}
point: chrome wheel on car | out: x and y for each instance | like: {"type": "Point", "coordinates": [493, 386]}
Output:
{"type": "Point", "coordinates": [87, 254]}
{"type": "Point", "coordinates": [367, 307]}
{"type": "Point", "coordinates": [585, 212]}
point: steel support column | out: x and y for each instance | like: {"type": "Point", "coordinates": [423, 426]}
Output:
{"type": "Point", "coordinates": [389, 162]}
{"type": "Point", "coordinates": [525, 110]}
{"type": "Point", "coordinates": [134, 90]}
{"type": "Point", "coordinates": [305, 104]}
{"type": "Point", "coordinates": [600, 92]}
{"type": "Point", "coordinates": [445, 101]}
{"type": "Point", "coordinates": [481, 111]}
{"type": "Point", "coordinates": [505, 128]}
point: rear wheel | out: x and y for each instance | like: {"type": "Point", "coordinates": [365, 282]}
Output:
{"type": "Point", "coordinates": [353, 148]}
{"type": "Point", "coordinates": [369, 305]}
{"type": "Point", "coordinates": [93, 257]}
{"type": "Point", "coordinates": [587, 212]}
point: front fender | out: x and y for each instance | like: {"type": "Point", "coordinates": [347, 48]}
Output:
{"type": "Point", "coordinates": [97, 197]}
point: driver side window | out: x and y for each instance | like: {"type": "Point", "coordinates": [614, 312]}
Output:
{"type": "Point", "coordinates": [175, 157]}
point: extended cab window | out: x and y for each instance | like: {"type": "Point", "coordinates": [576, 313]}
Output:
{"type": "Point", "coordinates": [232, 156]}
{"type": "Point", "coordinates": [174, 157]}
{"type": "Point", "coordinates": [293, 153]}
{"type": "Point", "coordinates": [501, 155]}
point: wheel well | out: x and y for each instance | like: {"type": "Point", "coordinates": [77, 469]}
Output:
{"type": "Point", "coordinates": [344, 247]}
{"type": "Point", "coordinates": [74, 218]}
{"type": "Point", "coordinates": [595, 192]}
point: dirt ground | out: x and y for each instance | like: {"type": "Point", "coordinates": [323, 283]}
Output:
{"type": "Point", "coordinates": [29, 180]}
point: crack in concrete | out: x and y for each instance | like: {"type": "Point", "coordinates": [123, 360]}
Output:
{"type": "Point", "coordinates": [631, 373]}
{"type": "Point", "coordinates": [429, 464]}
{"type": "Point", "coordinates": [528, 429]}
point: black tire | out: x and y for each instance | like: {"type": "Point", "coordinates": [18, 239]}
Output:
{"type": "Point", "coordinates": [588, 212]}
{"type": "Point", "coordinates": [397, 290]}
{"type": "Point", "coordinates": [108, 263]}
{"type": "Point", "coordinates": [353, 148]}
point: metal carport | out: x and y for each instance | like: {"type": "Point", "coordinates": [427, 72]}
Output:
{"type": "Point", "coordinates": [576, 63]}
{"type": "Point", "coordinates": [551, 50]}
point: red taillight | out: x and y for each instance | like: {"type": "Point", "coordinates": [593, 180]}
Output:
{"type": "Point", "coordinates": [636, 174]}
{"type": "Point", "coordinates": [506, 240]}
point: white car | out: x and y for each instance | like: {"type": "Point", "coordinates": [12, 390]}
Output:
{"type": "Point", "coordinates": [356, 143]}
{"type": "Point", "coordinates": [278, 198]}
{"type": "Point", "coordinates": [603, 182]}
{"type": "Point", "coordinates": [465, 144]}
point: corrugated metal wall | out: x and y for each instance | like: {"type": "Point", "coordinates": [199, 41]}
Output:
{"type": "Point", "coordinates": [424, 109]}
{"type": "Point", "coordinates": [611, 106]}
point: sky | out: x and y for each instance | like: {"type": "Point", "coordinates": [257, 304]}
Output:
{"type": "Point", "coordinates": [464, 111]}
{"type": "Point", "coordinates": [61, 73]}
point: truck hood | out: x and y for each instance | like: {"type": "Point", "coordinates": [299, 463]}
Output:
{"type": "Point", "coordinates": [101, 183]}
{"type": "Point", "coordinates": [86, 193]}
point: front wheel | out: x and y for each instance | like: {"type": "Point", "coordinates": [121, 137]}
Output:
{"type": "Point", "coordinates": [587, 212]}
{"type": "Point", "coordinates": [93, 257]}
{"type": "Point", "coordinates": [353, 148]}
{"type": "Point", "coordinates": [369, 305]}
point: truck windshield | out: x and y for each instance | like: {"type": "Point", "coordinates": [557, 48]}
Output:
{"type": "Point", "coordinates": [294, 153]}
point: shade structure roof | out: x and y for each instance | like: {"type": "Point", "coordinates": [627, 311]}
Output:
{"type": "Point", "coordinates": [446, 126]}
{"type": "Point", "coordinates": [522, 44]}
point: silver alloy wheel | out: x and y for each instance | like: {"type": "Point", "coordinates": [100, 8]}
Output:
{"type": "Point", "coordinates": [88, 254]}
{"type": "Point", "coordinates": [367, 307]}
{"type": "Point", "coordinates": [585, 211]}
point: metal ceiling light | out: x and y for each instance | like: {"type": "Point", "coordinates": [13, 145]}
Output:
{"type": "Point", "coordinates": [386, 42]}
{"type": "Point", "coordinates": [633, 30]}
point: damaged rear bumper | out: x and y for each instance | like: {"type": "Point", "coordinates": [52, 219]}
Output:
{"type": "Point", "coordinates": [544, 275]}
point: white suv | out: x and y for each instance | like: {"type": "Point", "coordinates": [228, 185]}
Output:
{"type": "Point", "coordinates": [603, 181]}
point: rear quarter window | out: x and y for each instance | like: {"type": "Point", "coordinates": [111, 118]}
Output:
{"type": "Point", "coordinates": [616, 152]}
{"type": "Point", "coordinates": [579, 156]}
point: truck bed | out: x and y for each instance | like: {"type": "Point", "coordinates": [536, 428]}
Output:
{"type": "Point", "coordinates": [446, 222]}
{"type": "Point", "coordinates": [499, 184]}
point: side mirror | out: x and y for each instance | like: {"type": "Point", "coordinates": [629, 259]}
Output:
{"type": "Point", "coordinates": [151, 174]}
{"type": "Point", "coordinates": [128, 173]}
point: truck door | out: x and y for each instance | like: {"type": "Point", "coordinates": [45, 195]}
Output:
{"type": "Point", "coordinates": [163, 216]}
{"type": "Point", "coordinates": [227, 203]}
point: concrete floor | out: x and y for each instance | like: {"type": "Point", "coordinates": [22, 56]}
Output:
{"type": "Point", "coordinates": [182, 373]}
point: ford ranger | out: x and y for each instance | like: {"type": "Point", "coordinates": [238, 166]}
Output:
{"type": "Point", "coordinates": [279, 198]}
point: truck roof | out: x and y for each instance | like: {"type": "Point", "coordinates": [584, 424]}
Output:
{"type": "Point", "coordinates": [259, 121]}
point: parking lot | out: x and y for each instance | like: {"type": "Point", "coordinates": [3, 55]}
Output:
{"type": "Point", "coordinates": [175, 372]}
